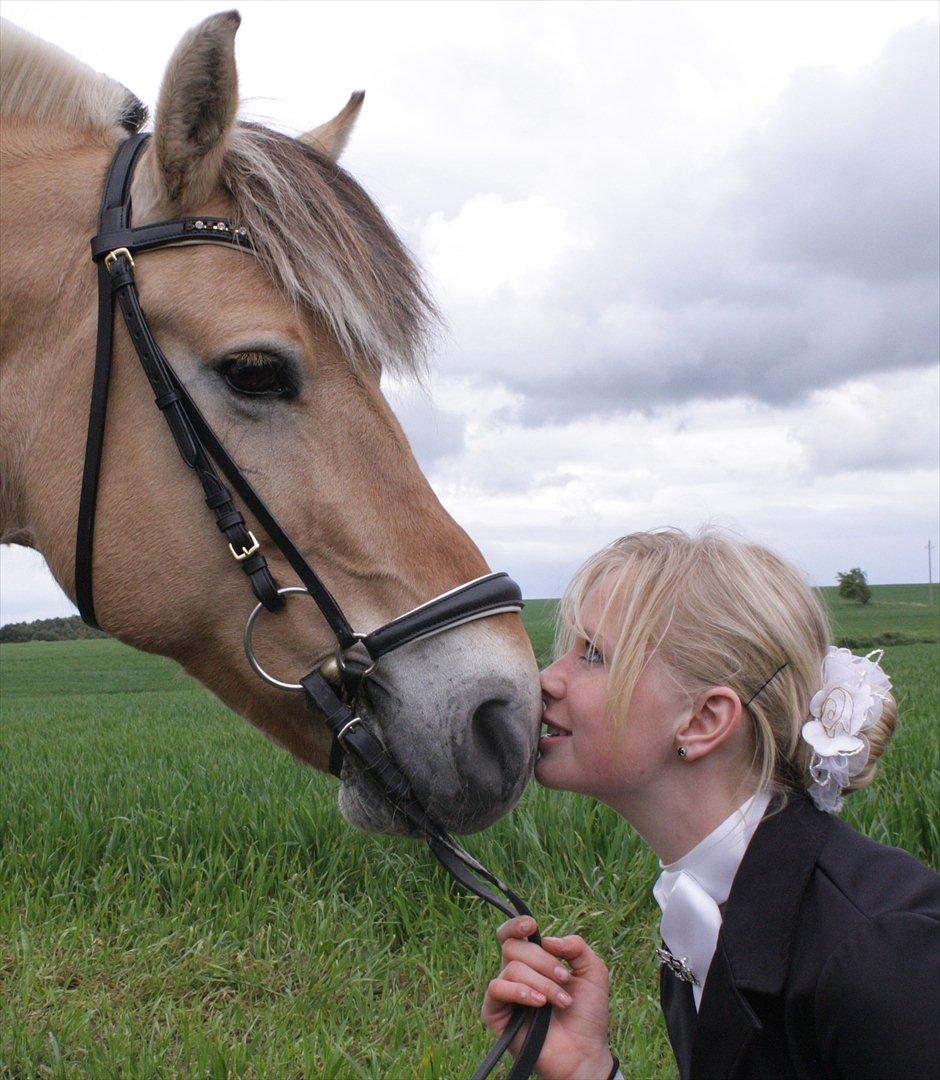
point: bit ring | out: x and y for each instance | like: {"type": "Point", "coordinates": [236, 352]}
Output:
{"type": "Point", "coordinates": [249, 651]}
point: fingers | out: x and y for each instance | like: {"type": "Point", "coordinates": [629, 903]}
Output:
{"type": "Point", "coordinates": [573, 949]}
{"type": "Point", "coordinates": [512, 993]}
{"type": "Point", "coordinates": [523, 984]}
{"type": "Point", "coordinates": [535, 957]}
{"type": "Point", "coordinates": [520, 927]}
{"type": "Point", "coordinates": [498, 1003]}
{"type": "Point", "coordinates": [583, 960]}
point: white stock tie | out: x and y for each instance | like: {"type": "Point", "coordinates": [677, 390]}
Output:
{"type": "Point", "coordinates": [690, 925]}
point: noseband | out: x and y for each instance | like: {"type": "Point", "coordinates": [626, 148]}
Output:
{"type": "Point", "coordinates": [332, 688]}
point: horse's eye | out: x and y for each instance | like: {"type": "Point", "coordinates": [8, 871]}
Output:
{"type": "Point", "coordinates": [258, 375]}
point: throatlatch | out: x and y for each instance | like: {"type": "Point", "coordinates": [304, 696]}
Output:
{"type": "Point", "coordinates": [331, 690]}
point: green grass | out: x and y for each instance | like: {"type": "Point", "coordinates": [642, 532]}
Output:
{"type": "Point", "coordinates": [899, 611]}
{"type": "Point", "coordinates": [179, 898]}
{"type": "Point", "coordinates": [539, 616]}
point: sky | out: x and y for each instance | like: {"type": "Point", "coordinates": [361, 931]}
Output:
{"type": "Point", "coordinates": [686, 254]}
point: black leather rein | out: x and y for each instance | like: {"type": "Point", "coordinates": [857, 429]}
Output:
{"type": "Point", "coordinates": [330, 689]}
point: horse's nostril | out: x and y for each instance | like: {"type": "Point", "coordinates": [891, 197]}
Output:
{"type": "Point", "coordinates": [490, 754]}
{"type": "Point", "coordinates": [488, 729]}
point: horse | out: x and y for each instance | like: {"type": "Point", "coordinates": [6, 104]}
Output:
{"type": "Point", "coordinates": [284, 350]}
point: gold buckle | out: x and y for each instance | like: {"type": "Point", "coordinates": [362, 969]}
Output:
{"type": "Point", "coordinates": [112, 257]}
{"type": "Point", "coordinates": [238, 556]}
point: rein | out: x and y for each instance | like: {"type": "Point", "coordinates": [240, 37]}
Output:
{"type": "Point", "coordinates": [331, 690]}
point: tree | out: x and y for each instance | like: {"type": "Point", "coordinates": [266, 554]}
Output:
{"type": "Point", "coordinates": [69, 628]}
{"type": "Point", "coordinates": [853, 585]}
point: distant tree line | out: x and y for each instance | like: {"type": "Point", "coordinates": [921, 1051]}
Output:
{"type": "Point", "coordinates": [62, 629]}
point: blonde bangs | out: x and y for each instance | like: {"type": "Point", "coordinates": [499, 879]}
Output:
{"type": "Point", "coordinates": [635, 614]}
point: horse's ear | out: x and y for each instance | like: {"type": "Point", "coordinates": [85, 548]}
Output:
{"type": "Point", "coordinates": [331, 138]}
{"type": "Point", "coordinates": [196, 110]}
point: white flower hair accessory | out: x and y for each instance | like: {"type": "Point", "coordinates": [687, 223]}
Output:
{"type": "Point", "coordinates": [850, 702]}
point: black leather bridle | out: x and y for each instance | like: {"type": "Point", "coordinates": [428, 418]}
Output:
{"type": "Point", "coordinates": [332, 688]}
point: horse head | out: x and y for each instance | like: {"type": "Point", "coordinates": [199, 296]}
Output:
{"type": "Point", "coordinates": [283, 350]}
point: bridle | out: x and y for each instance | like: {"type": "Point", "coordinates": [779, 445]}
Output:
{"type": "Point", "coordinates": [332, 688]}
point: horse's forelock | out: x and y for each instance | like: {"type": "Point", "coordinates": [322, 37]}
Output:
{"type": "Point", "coordinates": [328, 246]}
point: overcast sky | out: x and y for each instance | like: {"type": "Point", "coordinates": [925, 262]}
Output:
{"type": "Point", "coordinates": [687, 254]}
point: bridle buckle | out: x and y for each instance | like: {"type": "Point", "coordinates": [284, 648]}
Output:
{"type": "Point", "coordinates": [240, 556]}
{"type": "Point", "coordinates": [340, 735]}
{"type": "Point", "coordinates": [111, 258]}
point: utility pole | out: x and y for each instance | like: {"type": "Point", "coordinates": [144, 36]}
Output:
{"type": "Point", "coordinates": [930, 572]}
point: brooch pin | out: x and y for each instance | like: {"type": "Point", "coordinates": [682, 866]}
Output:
{"type": "Point", "coordinates": [679, 968]}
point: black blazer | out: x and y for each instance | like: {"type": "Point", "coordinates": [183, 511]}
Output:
{"type": "Point", "coordinates": [827, 963]}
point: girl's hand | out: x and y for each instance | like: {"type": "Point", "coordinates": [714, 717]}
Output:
{"type": "Point", "coordinates": [569, 974]}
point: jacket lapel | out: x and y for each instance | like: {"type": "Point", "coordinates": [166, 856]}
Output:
{"type": "Point", "coordinates": [754, 947]}
{"type": "Point", "coordinates": [726, 1022]}
{"type": "Point", "coordinates": [678, 1005]}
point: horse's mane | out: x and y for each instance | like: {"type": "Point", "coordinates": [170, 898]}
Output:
{"type": "Point", "coordinates": [43, 82]}
{"type": "Point", "coordinates": [315, 230]}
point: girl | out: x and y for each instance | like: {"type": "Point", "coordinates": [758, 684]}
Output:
{"type": "Point", "coordinates": [697, 695]}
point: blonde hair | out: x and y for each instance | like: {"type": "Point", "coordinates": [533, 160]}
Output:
{"type": "Point", "coordinates": [717, 611]}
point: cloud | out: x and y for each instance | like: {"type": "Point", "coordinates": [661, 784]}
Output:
{"type": "Point", "coordinates": [887, 424]}
{"type": "Point", "coordinates": [803, 255]}
{"type": "Point", "coordinates": [29, 590]}
{"type": "Point", "coordinates": [843, 180]}
{"type": "Point", "coordinates": [493, 245]}
{"type": "Point", "coordinates": [848, 474]}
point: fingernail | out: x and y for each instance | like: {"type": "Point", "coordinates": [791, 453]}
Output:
{"type": "Point", "coordinates": [562, 973]}
{"type": "Point", "coordinates": [537, 997]}
{"type": "Point", "coordinates": [563, 998]}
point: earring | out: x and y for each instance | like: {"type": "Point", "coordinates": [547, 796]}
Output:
{"type": "Point", "coordinates": [681, 751]}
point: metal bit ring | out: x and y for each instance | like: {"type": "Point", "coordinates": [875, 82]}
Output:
{"type": "Point", "coordinates": [249, 652]}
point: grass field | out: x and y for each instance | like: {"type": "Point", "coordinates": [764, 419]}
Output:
{"type": "Point", "coordinates": [179, 898]}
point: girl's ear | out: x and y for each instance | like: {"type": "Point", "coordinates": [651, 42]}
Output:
{"type": "Point", "coordinates": [715, 717]}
